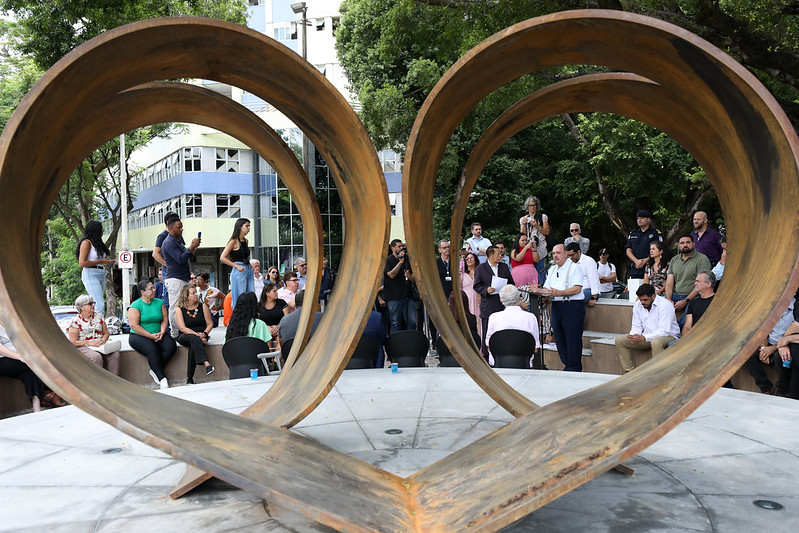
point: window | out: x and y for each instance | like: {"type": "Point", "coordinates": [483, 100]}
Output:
{"type": "Point", "coordinates": [228, 206]}
{"type": "Point", "coordinates": [192, 159]}
{"type": "Point", "coordinates": [194, 205]}
{"type": "Point", "coordinates": [284, 33]}
{"type": "Point", "coordinates": [227, 160]}
{"type": "Point", "coordinates": [389, 160]}
{"type": "Point", "coordinates": [320, 24]}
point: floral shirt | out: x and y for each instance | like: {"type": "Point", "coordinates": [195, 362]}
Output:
{"type": "Point", "coordinates": [88, 329]}
{"type": "Point", "coordinates": [657, 278]}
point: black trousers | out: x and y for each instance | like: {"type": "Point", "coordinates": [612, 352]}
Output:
{"type": "Point", "coordinates": [14, 368]}
{"type": "Point", "coordinates": [568, 320]}
{"type": "Point", "coordinates": [197, 354]}
{"type": "Point", "coordinates": [158, 353]}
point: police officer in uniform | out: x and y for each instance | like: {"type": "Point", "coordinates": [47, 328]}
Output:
{"type": "Point", "coordinates": [638, 243]}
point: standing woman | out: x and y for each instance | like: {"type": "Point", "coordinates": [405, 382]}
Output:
{"type": "Point", "coordinates": [657, 269]}
{"type": "Point", "coordinates": [237, 255]}
{"type": "Point", "coordinates": [92, 254]}
{"type": "Point", "coordinates": [273, 275]}
{"type": "Point", "coordinates": [470, 263]}
{"type": "Point", "coordinates": [148, 322]}
{"type": "Point", "coordinates": [271, 308]}
{"type": "Point", "coordinates": [535, 225]}
{"type": "Point", "coordinates": [194, 323]}
{"type": "Point", "coordinates": [523, 257]}
{"type": "Point", "coordinates": [88, 330]}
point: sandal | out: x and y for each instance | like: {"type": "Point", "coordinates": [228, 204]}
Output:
{"type": "Point", "coordinates": [51, 399]}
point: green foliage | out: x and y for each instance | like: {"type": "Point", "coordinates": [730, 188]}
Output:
{"type": "Point", "coordinates": [54, 27]}
{"type": "Point", "coordinates": [60, 268]}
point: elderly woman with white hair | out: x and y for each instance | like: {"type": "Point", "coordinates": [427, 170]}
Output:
{"type": "Point", "coordinates": [89, 334]}
{"type": "Point", "coordinates": [513, 317]}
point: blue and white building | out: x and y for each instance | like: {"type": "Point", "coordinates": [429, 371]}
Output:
{"type": "Point", "coordinates": [211, 179]}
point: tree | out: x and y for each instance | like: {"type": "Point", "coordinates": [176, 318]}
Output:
{"type": "Point", "coordinates": [591, 168]}
{"type": "Point", "coordinates": [44, 32]}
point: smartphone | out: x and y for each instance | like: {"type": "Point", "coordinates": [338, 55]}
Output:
{"type": "Point", "coordinates": [199, 234]}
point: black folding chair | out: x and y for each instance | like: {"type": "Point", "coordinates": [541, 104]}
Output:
{"type": "Point", "coordinates": [407, 348]}
{"type": "Point", "coordinates": [365, 354]}
{"type": "Point", "coordinates": [512, 348]}
{"type": "Point", "coordinates": [241, 355]}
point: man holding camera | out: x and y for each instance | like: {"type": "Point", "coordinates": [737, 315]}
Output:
{"type": "Point", "coordinates": [401, 309]}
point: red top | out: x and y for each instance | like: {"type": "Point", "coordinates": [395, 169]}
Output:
{"type": "Point", "coordinates": [526, 260]}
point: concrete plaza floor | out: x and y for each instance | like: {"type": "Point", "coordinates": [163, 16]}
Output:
{"type": "Point", "coordinates": [64, 471]}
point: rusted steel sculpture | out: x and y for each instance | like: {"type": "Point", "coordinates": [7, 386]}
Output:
{"type": "Point", "coordinates": [732, 125]}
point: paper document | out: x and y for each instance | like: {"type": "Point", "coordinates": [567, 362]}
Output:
{"type": "Point", "coordinates": [498, 282]}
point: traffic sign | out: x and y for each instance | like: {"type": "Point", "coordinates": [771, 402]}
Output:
{"type": "Point", "coordinates": [125, 259]}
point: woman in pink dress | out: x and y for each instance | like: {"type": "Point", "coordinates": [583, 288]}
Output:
{"type": "Point", "coordinates": [523, 257]}
{"type": "Point", "coordinates": [470, 263]}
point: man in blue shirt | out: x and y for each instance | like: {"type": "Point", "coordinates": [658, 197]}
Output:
{"type": "Point", "coordinates": [177, 258]}
{"type": "Point", "coordinates": [477, 243]}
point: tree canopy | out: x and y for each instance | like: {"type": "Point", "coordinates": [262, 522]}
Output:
{"type": "Point", "coordinates": [592, 168]}
{"type": "Point", "coordinates": [44, 31]}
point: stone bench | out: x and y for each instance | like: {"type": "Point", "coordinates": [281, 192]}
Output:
{"type": "Point", "coordinates": [133, 367]}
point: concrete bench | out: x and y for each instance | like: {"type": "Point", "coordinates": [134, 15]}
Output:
{"type": "Point", "coordinates": [133, 367]}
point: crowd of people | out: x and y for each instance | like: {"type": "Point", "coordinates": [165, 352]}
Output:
{"type": "Point", "coordinates": [672, 293]}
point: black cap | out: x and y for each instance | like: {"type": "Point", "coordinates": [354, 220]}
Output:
{"type": "Point", "coordinates": [644, 213]}
{"type": "Point", "coordinates": [604, 251]}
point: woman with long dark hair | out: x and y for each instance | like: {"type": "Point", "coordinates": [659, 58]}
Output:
{"type": "Point", "coordinates": [273, 275]}
{"type": "Point", "coordinates": [271, 308]}
{"type": "Point", "coordinates": [523, 257]}
{"type": "Point", "coordinates": [470, 263]}
{"type": "Point", "coordinates": [244, 321]}
{"type": "Point", "coordinates": [92, 254]}
{"type": "Point", "coordinates": [657, 269]}
{"type": "Point", "coordinates": [237, 256]}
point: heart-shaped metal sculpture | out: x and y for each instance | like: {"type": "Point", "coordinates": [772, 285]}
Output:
{"type": "Point", "coordinates": [751, 159]}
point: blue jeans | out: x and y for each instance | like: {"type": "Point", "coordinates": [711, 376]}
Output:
{"type": "Point", "coordinates": [676, 298]}
{"type": "Point", "coordinates": [94, 281]}
{"type": "Point", "coordinates": [402, 312]}
{"type": "Point", "coordinates": [241, 282]}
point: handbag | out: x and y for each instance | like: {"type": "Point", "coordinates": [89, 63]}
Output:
{"type": "Point", "coordinates": [107, 348]}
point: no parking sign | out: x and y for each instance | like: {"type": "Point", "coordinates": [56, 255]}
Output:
{"type": "Point", "coordinates": [125, 259]}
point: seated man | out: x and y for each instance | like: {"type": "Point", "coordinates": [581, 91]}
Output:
{"type": "Point", "coordinates": [513, 317]}
{"type": "Point", "coordinates": [788, 350]}
{"type": "Point", "coordinates": [654, 326]}
{"type": "Point", "coordinates": [287, 329]}
{"type": "Point", "coordinates": [703, 285]}
{"type": "Point", "coordinates": [765, 353]}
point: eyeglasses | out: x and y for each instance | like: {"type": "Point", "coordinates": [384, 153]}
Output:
{"type": "Point", "coordinates": [192, 277]}
{"type": "Point", "coordinates": [295, 280]}
{"type": "Point", "coordinates": [574, 230]}
{"type": "Point", "coordinates": [303, 265]}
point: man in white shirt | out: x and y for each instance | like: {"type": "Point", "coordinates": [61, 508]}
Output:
{"type": "Point", "coordinates": [654, 326]}
{"type": "Point", "coordinates": [513, 317]}
{"type": "Point", "coordinates": [477, 243]}
{"type": "Point", "coordinates": [590, 275]}
{"type": "Point", "coordinates": [607, 274]}
{"type": "Point", "coordinates": [564, 286]}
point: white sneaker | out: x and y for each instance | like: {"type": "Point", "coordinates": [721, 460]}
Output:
{"type": "Point", "coordinates": [155, 378]}
{"type": "Point", "coordinates": [164, 384]}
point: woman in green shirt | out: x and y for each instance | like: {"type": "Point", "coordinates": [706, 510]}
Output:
{"type": "Point", "coordinates": [244, 321]}
{"type": "Point", "coordinates": [148, 323]}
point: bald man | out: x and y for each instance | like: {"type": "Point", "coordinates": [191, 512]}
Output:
{"type": "Point", "coordinates": [706, 240]}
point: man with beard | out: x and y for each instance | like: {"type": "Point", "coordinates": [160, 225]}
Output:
{"type": "Point", "coordinates": [683, 269]}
